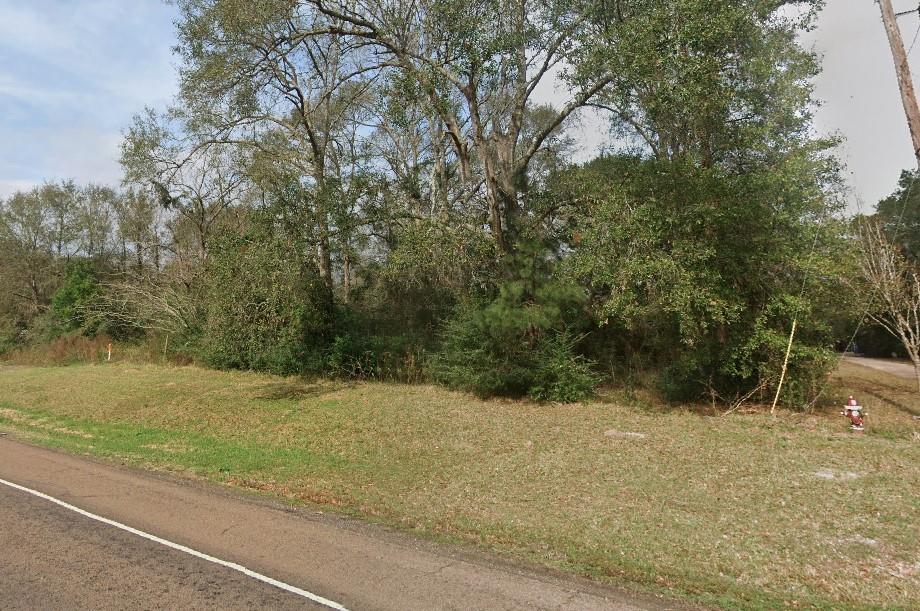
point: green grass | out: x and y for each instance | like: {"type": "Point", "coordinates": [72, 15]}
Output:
{"type": "Point", "coordinates": [728, 511]}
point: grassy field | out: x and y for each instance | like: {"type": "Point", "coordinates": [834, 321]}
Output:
{"type": "Point", "coordinates": [737, 511]}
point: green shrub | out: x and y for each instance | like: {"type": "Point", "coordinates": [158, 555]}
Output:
{"type": "Point", "coordinates": [10, 336]}
{"type": "Point", "coordinates": [71, 304]}
{"type": "Point", "coordinates": [685, 378]}
{"type": "Point", "coordinates": [562, 376]}
{"type": "Point", "coordinates": [751, 359]}
{"type": "Point", "coordinates": [516, 345]}
{"type": "Point", "coordinates": [699, 270]}
{"type": "Point", "coordinates": [266, 307]}
{"type": "Point", "coordinates": [759, 356]}
{"type": "Point", "coordinates": [473, 361]}
{"type": "Point", "coordinates": [809, 369]}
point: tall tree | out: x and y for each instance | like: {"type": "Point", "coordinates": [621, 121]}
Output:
{"type": "Point", "coordinates": [899, 214]}
{"type": "Point", "coordinates": [95, 220]}
{"type": "Point", "coordinates": [199, 184]}
{"type": "Point", "coordinates": [250, 71]}
{"type": "Point", "coordinates": [712, 83]}
{"type": "Point", "coordinates": [698, 241]}
{"type": "Point", "coordinates": [135, 215]}
{"type": "Point", "coordinates": [33, 229]}
{"type": "Point", "coordinates": [894, 283]}
{"type": "Point", "coordinates": [62, 202]}
{"type": "Point", "coordinates": [479, 81]}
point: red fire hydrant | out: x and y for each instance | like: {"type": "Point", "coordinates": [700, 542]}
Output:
{"type": "Point", "coordinates": [853, 411]}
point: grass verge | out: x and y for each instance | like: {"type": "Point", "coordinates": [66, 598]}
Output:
{"type": "Point", "coordinates": [741, 511]}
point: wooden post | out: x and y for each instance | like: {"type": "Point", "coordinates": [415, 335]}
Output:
{"type": "Point", "coordinates": [782, 376]}
{"type": "Point", "coordinates": [908, 97]}
{"type": "Point", "coordinates": [109, 358]}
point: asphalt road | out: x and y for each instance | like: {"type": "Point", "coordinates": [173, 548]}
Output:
{"type": "Point", "coordinates": [900, 369]}
{"type": "Point", "coordinates": [52, 557]}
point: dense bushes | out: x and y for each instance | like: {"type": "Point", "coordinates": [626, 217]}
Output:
{"type": "Point", "coordinates": [562, 375]}
{"type": "Point", "coordinates": [72, 304]}
{"type": "Point", "coordinates": [375, 357]}
{"type": "Point", "coordinates": [700, 271]}
{"type": "Point", "coordinates": [266, 307]}
{"type": "Point", "coordinates": [519, 343]}
{"type": "Point", "coordinates": [479, 357]}
{"type": "Point", "coordinates": [875, 341]}
{"type": "Point", "coordinates": [10, 336]}
{"type": "Point", "coordinates": [655, 274]}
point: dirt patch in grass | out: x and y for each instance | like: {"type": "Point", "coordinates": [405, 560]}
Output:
{"type": "Point", "coordinates": [725, 510]}
{"type": "Point", "coordinates": [12, 415]}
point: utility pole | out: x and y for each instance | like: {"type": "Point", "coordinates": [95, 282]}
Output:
{"type": "Point", "coordinates": [908, 97]}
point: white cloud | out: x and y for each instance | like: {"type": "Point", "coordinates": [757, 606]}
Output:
{"type": "Point", "coordinates": [24, 92]}
{"type": "Point", "coordinates": [24, 27]}
{"type": "Point", "coordinates": [74, 73]}
{"type": "Point", "coordinates": [85, 154]}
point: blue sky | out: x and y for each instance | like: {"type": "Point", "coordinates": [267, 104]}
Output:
{"type": "Point", "coordinates": [73, 72]}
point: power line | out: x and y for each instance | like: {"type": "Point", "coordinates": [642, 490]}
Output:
{"type": "Point", "coordinates": [902, 13]}
{"type": "Point", "coordinates": [914, 41]}
{"type": "Point", "coordinates": [795, 319]}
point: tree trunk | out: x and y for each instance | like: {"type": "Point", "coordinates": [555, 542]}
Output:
{"type": "Point", "coordinates": [36, 296]}
{"type": "Point", "coordinates": [504, 181]}
{"type": "Point", "coordinates": [439, 199]}
{"type": "Point", "coordinates": [916, 361]}
{"type": "Point", "coordinates": [346, 276]}
{"type": "Point", "coordinates": [495, 221]}
{"type": "Point", "coordinates": [323, 250]}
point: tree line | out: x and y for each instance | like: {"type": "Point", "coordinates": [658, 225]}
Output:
{"type": "Point", "coordinates": [379, 190]}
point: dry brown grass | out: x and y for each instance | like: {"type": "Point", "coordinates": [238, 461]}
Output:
{"type": "Point", "coordinates": [67, 350]}
{"type": "Point", "coordinates": [739, 511]}
{"type": "Point", "coordinates": [79, 350]}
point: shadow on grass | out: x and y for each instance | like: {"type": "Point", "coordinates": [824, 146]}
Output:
{"type": "Point", "coordinates": [896, 404]}
{"type": "Point", "coordinates": [278, 391]}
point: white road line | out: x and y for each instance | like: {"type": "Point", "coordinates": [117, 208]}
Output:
{"type": "Point", "coordinates": [230, 565]}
